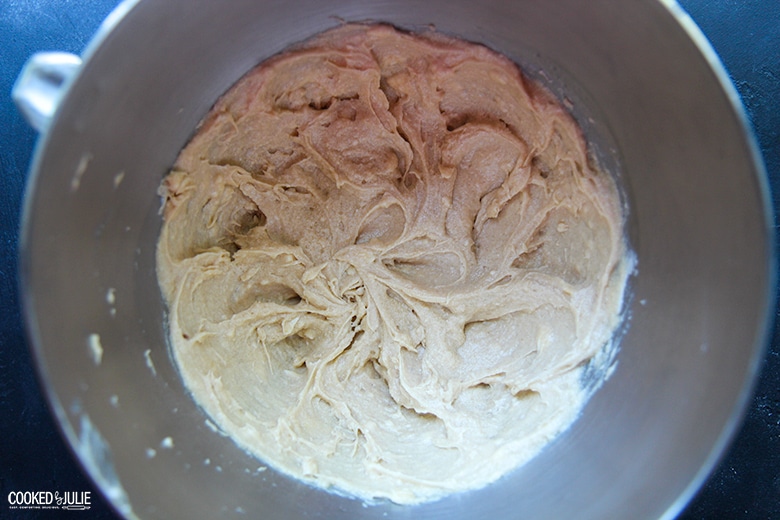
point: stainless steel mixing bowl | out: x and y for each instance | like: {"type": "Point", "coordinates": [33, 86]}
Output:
{"type": "Point", "coordinates": [658, 108]}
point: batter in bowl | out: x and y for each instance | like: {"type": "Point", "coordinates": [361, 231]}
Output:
{"type": "Point", "coordinates": [387, 260]}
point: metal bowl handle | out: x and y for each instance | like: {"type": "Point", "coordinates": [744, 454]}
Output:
{"type": "Point", "coordinates": [41, 84]}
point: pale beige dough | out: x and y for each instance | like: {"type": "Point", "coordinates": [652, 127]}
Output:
{"type": "Point", "coordinates": [387, 260]}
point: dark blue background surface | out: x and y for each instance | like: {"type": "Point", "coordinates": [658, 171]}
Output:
{"type": "Point", "coordinates": [33, 456]}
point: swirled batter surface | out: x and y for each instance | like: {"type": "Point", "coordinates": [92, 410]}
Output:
{"type": "Point", "coordinates": [387, 259]}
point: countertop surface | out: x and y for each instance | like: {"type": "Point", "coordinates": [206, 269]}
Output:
{"type": "Point", "coordinates": [33, 456]}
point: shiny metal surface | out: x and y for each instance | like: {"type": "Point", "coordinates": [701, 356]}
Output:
{"type": "Point", "coordinates": [662, 113]}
